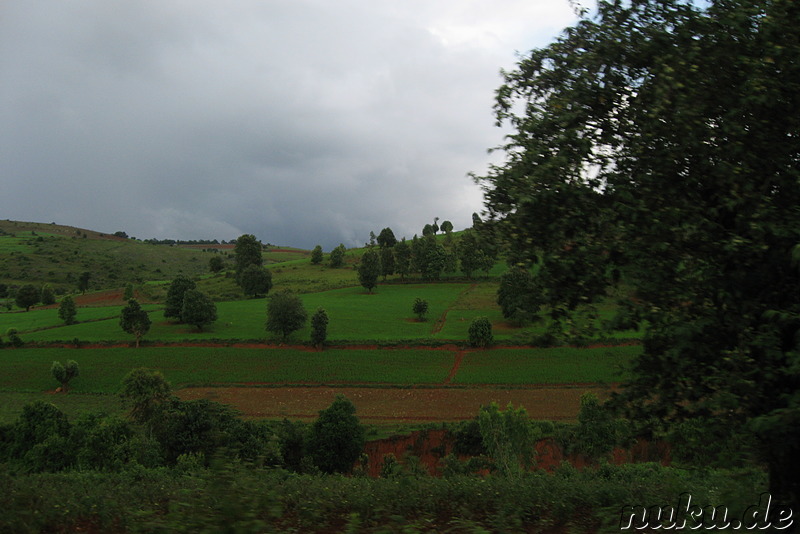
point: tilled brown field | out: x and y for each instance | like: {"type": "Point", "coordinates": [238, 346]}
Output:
{"type": "Point", "coordinates": [398, 404]}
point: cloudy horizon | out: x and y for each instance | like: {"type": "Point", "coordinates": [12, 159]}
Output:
{"type": "Point", "coordinates": [301, 122]}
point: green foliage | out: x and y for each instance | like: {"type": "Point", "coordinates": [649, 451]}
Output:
{"type": "Point", "coordinates": [134, 320]}
{"type": "Point", "coordinates": [480, 332]}
{"type": "Point", "coordinates": [508, 437]}
{"type": "Point", "coordinates": [336, 258]}
{"type": "Point", "coordinates": [216, 264]}
{"type": "Point", "coordinates": [64, 373]}
{"type": "Point", "coordinates": [319, 328]}
{"type": "Point", "coordinates": [255, 280]}
{"type": "Point", "coordinates": [83, 281]}
{"type": "Point", "coordinates": [129, 292]}
{"type": "Point", "coordinates": [420, 308]}
{"type": "Point", "coordinates": [174, 301]}
{"type": "Point", "coordinates": [198, 309]}
{"type": "Point", "coordinates": [13, 338]}
{"type": "Point", "coordinates": [386, 238]}
{"type": "Point", "coordinates": [472, 254]}
{"type": "Point", "coordinates": [402, 258]}
{"type": "Point", "coordinates": [316, 255]}
{"type": "Point", "coordinates": [285, 313]}
{"type": "Point", "coordinates": [686, 114]}
{"type": "Point", "coordinates": [369, 269]}
{"type": "Point", "coordinates": [446, 227]}
{"type": "Point", "coordinates": [27, 296]}
{"type": "Point", "coordinates": [519, 295]}
{"type": "Point", "coordinates": [337, 437]}
{"type": "Point", "coordinates": [246, 252]}
{"type": "Point", "coordinates": [48, 296]}
{"type": "Point", "coordinates": [145, 391]}
{"type": "Point", "coordinates": [387, 261]}
{"type": "Point", "coordinates": [67, 310]}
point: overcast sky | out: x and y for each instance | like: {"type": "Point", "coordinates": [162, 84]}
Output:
{"type": "Point", "coordinates": [303, 122]}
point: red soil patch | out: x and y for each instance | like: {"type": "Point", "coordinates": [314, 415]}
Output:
{"type": "Point", "coordinates": [397, 404]}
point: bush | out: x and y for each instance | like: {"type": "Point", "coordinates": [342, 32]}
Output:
{"type": "Point", "coordinates": [319, 328]}
{"type": "Point", "coordinates": [480, 332]}
{"type": "Point", "coordinates": [67, 310]}
{"type": "Point", "coordinates": [337, 437]}
{"type": "Point", "coordinates": [64, 373]}
{"type": "Point", "coordinates": [420, 308]}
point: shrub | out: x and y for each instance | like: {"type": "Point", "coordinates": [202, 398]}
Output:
{"type": "Point", "coordinates": [64, 373]}
{"type": "Point", "coordinates": [67, 310]}
{"type": "Point", "coordinates": [337, 437]}
{"type": "Point", "coordinates": [480, 332]}
{"type": "Point", "coordinates": [420, 308]}
{"type": "Point", "coordinates": [319, 328]}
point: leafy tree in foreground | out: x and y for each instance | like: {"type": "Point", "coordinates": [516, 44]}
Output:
{"type": "Point", "coordinates": [686, 113]}
{"type": "Point", "coordinates": [369, 269]}
{"type": "Point", "coordinates": [27, 296]}
{"type": "Point", "coordinates": [285, 313]}
{"type": "Point", "coordinates": [319, 328]}
{"type": "Point", "coordinates": [174, 302]}
{"type": "Point", "coordinates": [337, 437]}
{"type": "Point", "coordinates": [336, 258]}
{"type": "Point", "coordinates": [255, 280]}
{"type": "Point", "coordinates": [519, 295]}
{"type": "Point", "coordinates": [508, 437]}
{"type": "Point", "coordinates": [198, 309]}
{"type": "Point", "coordinates": [134, 320]}
{"type": "Point", "coordinates": [65, 373]}
{"type": "Point", "coordinates": [67, 310]}
{"type": "Point", "coordinates": [420, 308]}
{"type": "Point", "coordinates": [316, 255]}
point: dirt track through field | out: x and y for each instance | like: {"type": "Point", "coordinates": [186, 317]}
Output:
{"type": "Point", "coordinates": [560, 402]}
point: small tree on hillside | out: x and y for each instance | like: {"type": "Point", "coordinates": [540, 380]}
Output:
{"type": "Point", "coordinates": [177, 289]}
{"type": "Point", "coordinates": [144, 390]}
{"type": "Point", "coordinates": [247, 251]}
{"type": "Point", "coordinates": [134, 320]}
{"type": "Point", "coordinates": [285, 313]}
{"type": "Point", "coordinates": [198, 309]}
{"type": "Point", "coordinates": [386, 238]}
{"type": "Point", "coordinates": [27, 296]}
{"type": "Point", "coordinates": [446, 227]}
{"type": "Point", "coordinates": [129, 292]}
{"type": "Point", "coordinates": [387, 262]}
{"type": "Point", "coordinates": [319, 328]}
{"type": "Point", "coordinates": [369, 269]}
{"type": "Point", "coordinates": [64, 373]}
{"type": "Point", "coordinates": [83, 280]}
{"type": "Point", "coordinates": [316, 255]}
{"type": "Point", "coordinates": [255, 280]}
{"type": "Point", "coordinates": [48, 296]}
{"type": "Point", "coordinates": [508, 437]}
{"type": "Point", "coordinates": [337, 437]}
{"type": "Point", "coordinates": [480, 332]}
{"type": "Point", "coordinates": [336, 258]}
{"type": "Point", "coordinates": [216, 264]}
{"type": "Point", "coordinates": [420, 308]}
{"type": "Point", "coordinates": [402, 258]}
{"type": "Point", "coordinates": [67, 310]}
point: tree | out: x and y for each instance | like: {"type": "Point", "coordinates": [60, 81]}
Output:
{"type": "Point", "coordinates": [216, 264]}
{"type": "Point", "coordinates": [67, 310]}
{"type": "Point", "coordinates": [65, 373]}
{"type": "Point", "coordinates": [246, 252]}
{"type": "Point", "coordinates": [660, 142]}
{"type": "Point", "coordinates": [508, 437]}
{"type": "Point", "coordinates": [255, 280]}
{"type": "Point", "coordinates": [145, 390]}
{"type": "Point", "coordinates": [174, 302]}
{"type": "Point", "coordinates": [402, 258]}
{"type": "Point", "coordinates": [446, 227]}
{"type": "Point", "coordinates": [369, 269]}
{"type": "Point", "coordinates": [427, 230]}
{"type": "Point", "coordinates": [316, 255]}
{"type": "Point", "coordinates": [519, 295]}
{"type": "Point", "coordinates": [129, 292]}
{"type": "Point", "coordinates": [472, 254]}
{"type": "Point", "coordinates": [285, 313]}
{"type": "Point", "coordinates": [48, 297]}
{"type": "Point", "coordinates": [198, 309]}
{"type": "Point", "coordinates": [337, 437]}
{"type": "Point", "coordinates": [386, 238]}
{"type": "Point", "coordinates": [27, 296]}
{"type": "Point", "coordinates": [319, 328]}
{"type": "Point", "coordinates": [387, 262]}
{"type": "Point", "coordinates": [83, 280]}
{"type": "Point", "coordinates": [134, 320]}
{"type": "Point", "coordinates": [480, 332]}
{"type": "Point", "coordinates": [336, 258]}
{"type": "Point", "coordinates": [420, 308]}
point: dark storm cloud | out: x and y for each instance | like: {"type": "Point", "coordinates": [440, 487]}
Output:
{"type": "Point", "coordinates": [302, 122]}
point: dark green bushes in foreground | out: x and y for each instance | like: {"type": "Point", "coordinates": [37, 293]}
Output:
{"type": "Point", "coordinates": [229, 497]}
